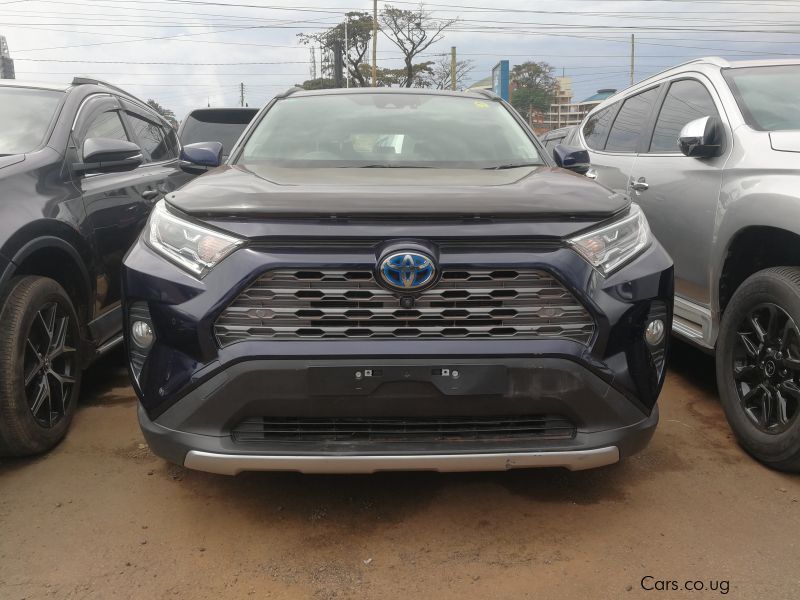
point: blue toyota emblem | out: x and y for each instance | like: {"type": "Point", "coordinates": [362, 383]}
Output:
{"type": "Point", "coordinates": [407, 270]}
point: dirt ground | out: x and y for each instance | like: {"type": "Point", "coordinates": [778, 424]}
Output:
{"type": "Point", "coordinates": [102, 518]}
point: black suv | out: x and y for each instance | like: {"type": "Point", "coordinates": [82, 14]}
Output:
{"type": "Point", "coordinates": [81, 167]}
{"type": "Point", "coordinates": [386, 279]}
{"type": "Point", "coordinates": [223, 125]}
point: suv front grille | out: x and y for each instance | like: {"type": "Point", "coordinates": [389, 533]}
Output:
{"type": "Point", "coordinates": [302, 304]}
{"type": "Point", "coordinates": [403, 429]}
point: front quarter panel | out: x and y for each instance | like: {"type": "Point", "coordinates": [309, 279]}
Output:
{"type": "Point", "coordinates": [760, 188]}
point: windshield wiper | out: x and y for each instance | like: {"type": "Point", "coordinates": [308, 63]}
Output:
{"type": "Point", "coordinates": [512, 166]}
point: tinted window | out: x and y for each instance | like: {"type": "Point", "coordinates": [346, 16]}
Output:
{"type": "Point", "coordinates": [630, 122]}
{"type": "Point", "coordinates": [686, 101]}
{"type": "Point", "coordinates": [172, 141]}
{"type": "Point", "coordinates": [151, 137]}
{"type": "Point", "coordinates": [596, 129]}
{"type": "Point", "coordinates": [24, 118]}
{"type": "Point", "coordinates": [390, 129]}
{"type": "Point", "coordinates": [217, 125]}
{"type": "Point", "coordinates": [106, 125]}
{"type": "Point", "coordinates": [769, 97]}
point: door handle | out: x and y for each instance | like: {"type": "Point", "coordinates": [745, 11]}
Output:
{"type": "Point", "coordinates": [591, 174]}
{"type": "Point", "coordinates": [639, 185]}
{"type": "Point", "coordinates": [150, 195]}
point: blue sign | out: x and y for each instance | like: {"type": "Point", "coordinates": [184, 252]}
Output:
{"type": "Point", "coordinates": [500, 78]}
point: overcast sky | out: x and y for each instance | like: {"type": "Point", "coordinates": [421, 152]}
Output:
{"type": "Point", "coordinates": [589, 40]}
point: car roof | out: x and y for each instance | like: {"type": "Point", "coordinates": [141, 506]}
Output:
{"type": "Point", "coordinates": [714, 62]}
{"type": "Point", "coordinates": [474, 94]}
{"type": "Point", "coordinates": [213, 108]}
{"type": "Point", "coordinates": [38, 85]}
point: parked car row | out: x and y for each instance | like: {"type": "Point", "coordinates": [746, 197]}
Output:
{"type": "Point", "coordinates": [81, 167]}
{"type": "Point", "coordinates": [403, 279]}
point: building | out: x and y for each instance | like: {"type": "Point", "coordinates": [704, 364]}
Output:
{"type": "Point", "coordinates": [483, 84]}
{"type": "Point", "coordinates": [564, 112]}
{"type": "Point", "coordinates": [6, 62]}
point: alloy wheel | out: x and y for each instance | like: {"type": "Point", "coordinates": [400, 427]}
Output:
{"type": "Point", "coordinates": [49, 365]}
{"type": "Point", "coordinates": [766, 368]}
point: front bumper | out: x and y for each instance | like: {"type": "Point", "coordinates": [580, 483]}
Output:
{"type": "Point", "coordinates": [196, 431]}
{"type": "Point", "coordinates": [194, 393]}
{"type": "Point", "coordinates": [233, 464]}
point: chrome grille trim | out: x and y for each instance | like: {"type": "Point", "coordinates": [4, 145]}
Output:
{"type": "Point", "coordinates": [476, 303]}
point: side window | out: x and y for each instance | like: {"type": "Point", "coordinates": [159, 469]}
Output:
{"type": "Point", "coordinates": [106, 125]}
{"type": "Point", "coordinates": [596, 129]}
{"type": "Point", "coordinates": [630, 122]}
{"type": "Point", "coordinates": [172, 141]}
{"type": "Point", "coordinates": [686, 101]}
{"type": "Point", "coordinates": [152, 138]}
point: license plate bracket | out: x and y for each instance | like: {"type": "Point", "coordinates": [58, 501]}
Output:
{"type": "Point", "coordinates": [449, 379]}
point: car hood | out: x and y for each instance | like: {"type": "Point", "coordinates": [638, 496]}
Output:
{"type": "Point", "coordinates": [529, 192]}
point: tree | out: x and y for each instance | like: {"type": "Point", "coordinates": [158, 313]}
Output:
{"type": "Point", "coordinates": [535, 87]}
{"type": "Point", "coordinates": [412, 31]}
{"type": "Point", "coordinates": [421, 77]}
{"type": "Point", "coordinates": [320, 83]}
{"type": "Point", "coordinates": [164, 112]}
{"type": "Point", "coordinates": [439, 77]}
{"type": "Point", "coordinates": [359, 34]}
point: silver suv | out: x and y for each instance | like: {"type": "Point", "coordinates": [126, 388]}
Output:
{"type": "Point", "coordinates": [711, 152]}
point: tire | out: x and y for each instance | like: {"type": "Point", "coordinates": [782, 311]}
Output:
{"type": "Point", "coordinates": [758, 366]}
{"type": "Point", "coordinates": [39, 341]}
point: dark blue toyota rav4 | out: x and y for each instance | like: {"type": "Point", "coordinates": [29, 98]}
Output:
{"type": "Point", "coordinates": [384, 279]}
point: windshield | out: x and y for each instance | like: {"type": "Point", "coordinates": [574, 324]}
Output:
{"type": "Point", "coordinates": [390, 130]}
{"type": "Point", "coordinates": [223, 126]}
{"type": "Point", "coordinates": [769, 97]}
{"type": "Point", "coordinates": [25, 115]}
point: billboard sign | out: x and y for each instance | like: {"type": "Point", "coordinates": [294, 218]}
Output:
{"type": "Point", "coordinates": [500, 79]}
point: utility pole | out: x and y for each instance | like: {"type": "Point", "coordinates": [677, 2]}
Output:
{"type": "Point", "coordinates": [6, 62]}
{"type": "Point", "coordinates": [633, 54]}
{"type": "Point", "coordinates": [241, 94]}
{"type": "Point", "coordinates": [374, 43]}
{"type": "Point", "coordinates": [346, 54]}
{"type": "Point", "coordinates": [337, 63]}
{"type": "Point", "coordinates": [452, 68]}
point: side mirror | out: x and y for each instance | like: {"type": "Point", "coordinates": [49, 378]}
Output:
{"type": "Point", "coordinates": [701, 138]}
{"type": "Point", "coordinates": [198, 158]}
{"type": "Point", "coordinates": [108, 155]}
{"type": "Point", "coordinates": [571, 158]}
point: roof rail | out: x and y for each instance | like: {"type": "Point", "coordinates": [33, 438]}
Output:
{"type": "Point", "coordinates": [292, 90]}
{"type": "Point", "coordinates": [93, 81]}
{"type": "Point", "coordinates": [712, 60]}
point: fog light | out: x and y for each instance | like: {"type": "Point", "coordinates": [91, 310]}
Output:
{"type": "Point", "coordinates": [142, 334]}
{"type": "Point", "coordinates": [654, 334]}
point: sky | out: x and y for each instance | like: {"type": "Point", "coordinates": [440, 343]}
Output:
{"type": "Point", "coordinates": [190, 53]}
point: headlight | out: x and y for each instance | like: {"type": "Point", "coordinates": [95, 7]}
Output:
{"type": "Point", "coordinates": [610, 247]}
{"type": "Point", "coordinates": [191, 246]}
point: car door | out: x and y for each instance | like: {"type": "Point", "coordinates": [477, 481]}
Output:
{"type": "Point", "coordinates": [613, 135]}
{"type": "Point", "coordinates": [161, 173]}
{"type": "Point", "coordinates": [678, 193]}
{"type": "Point", "coordinates": [114, 208]}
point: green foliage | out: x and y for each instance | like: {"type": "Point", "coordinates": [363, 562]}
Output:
{"type": "Point", "coordinates": [355, 46]}
{"type": "Point", "coordinates": [164, 112]}
{"type": "Point", "coordinates": [536, 86]}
